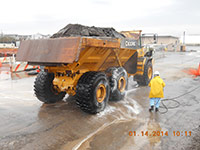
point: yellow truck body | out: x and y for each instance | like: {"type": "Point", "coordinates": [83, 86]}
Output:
{"type": "Point", "coordinates": [69, 58]}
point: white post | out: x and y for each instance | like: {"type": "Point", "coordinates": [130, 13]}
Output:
{"type": "Point", "coordinates": [14, 59]}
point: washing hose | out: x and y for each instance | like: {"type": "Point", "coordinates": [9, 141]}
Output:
{"type": "Point", "coordinates": [177, 103]}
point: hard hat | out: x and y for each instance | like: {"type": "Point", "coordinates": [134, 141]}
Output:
{"type": "Point", "coordinates": [156, 73]}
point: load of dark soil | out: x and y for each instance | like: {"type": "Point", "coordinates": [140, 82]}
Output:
{"type": "Point", "coordinates": [80, 30]}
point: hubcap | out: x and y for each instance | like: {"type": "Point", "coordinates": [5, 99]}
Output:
{"type": "Point", "coordinates": [121, 84]}
{"type": "Point", "coordinates": [150, 72]}
{"type": "Point", "coordinates": [101, 93]}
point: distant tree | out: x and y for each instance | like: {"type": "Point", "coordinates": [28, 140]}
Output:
{"type": "Point", "coordinates": [7, 39]}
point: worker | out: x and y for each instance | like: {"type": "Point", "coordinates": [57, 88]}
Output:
{"type": "Point", "coordinates": [156, 92]}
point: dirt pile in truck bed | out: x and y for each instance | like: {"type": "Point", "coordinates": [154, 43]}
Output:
{"type": "Point", "coordinates": [80, 30]}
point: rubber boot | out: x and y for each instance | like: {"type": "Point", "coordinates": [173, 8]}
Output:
{"type": "Point", "coordinates": [151, 109]}
{"type": "Point", "coordinates": [157, 109]}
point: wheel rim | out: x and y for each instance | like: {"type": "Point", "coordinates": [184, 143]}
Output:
{"type": "Point", "coordinates": [150, 72]}
{"type": "Point", "coordinates": [101, 93]}
{"type": "Point", "coordinates": [121, 84]}
{"type": "Point", "coordinates": [54, 89]}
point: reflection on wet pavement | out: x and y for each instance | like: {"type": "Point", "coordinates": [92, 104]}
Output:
{"type": "Point", "coordinates": [154, 132]}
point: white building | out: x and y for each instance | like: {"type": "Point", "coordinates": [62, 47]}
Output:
{"type": "Point", "coordinates": [191, 39]}
{"type": "Point", "coordinates": [39, 36]}
{"type": "Point", "coordinates": [168, 42]}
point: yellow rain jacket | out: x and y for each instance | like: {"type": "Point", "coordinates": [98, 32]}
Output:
{"type": "Point", "coordinates": [157, 85]}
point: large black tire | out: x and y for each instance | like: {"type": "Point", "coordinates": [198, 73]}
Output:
{"type": "Point", "coordinates": [86, 92]}
{"type": "Point", "coordinates": [147, 75]}
{"type": "Point", "coordinates": [118, 80]}
{"type": "Point", "coordinates": [44, 89]}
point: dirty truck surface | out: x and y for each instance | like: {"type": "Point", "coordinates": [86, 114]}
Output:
{"type": "Point", "coordinates": [28, 124]}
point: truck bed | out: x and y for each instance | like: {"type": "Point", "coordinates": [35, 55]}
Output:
{"type": "Point", "coordinates": [60, 50]}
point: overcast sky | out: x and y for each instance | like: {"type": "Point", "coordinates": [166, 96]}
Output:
{"type": "Point", "coordinates": [170, 17]}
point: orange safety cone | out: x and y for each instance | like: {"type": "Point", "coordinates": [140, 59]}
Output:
{"type": "Point", "coordinates": [195, 72]}
{"type": "Point", "coordinates": [0, 64]}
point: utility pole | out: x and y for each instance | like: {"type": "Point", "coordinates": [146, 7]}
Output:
{"type": "Point", "coordinates": [183, 45]}
{"type": "Point", "coordinates": [184, 38]}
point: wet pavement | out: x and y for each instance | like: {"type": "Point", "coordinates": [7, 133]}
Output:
{"type": "Point", "coordinates": [28, 124]}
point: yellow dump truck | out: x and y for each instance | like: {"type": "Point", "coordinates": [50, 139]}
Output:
{"type": "Point", "coordinates": [92, 69]}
